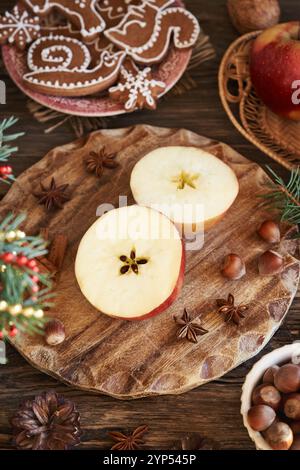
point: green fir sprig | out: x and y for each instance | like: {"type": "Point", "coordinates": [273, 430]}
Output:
{"type": "Point", "coordinates": [285, 197]}
{"type": "Point", "coordinates": [6, 150]}
{"type": "Point", "coordinates": [24, 291]}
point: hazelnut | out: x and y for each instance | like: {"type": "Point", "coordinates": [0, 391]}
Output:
{"type": "Point", "coordinates": [270, 263]}
{"type": "Point", "coordinates": [251, 15]}
{"type": "Point", "coordinates": [279, 436]}
{"type": "Point", "coordinates": [295, 427]}
{"type": "Point", "coordinates": [54, 332]}
{"type": "Point", "coordinates": [269, 375]}
{"type": "Point", "coordinates": [269, 231]}
{"type": "Point", "coordinates": [287, 379]}
{"type": "Point", "coordinates": [296, 443]}
{"type": "Point", "coordinates": [292, 406]}
{"type": "Point", "coordinates": [266, 394]}
{"type": "Point", "coordinates": [260, 417]}
{"type": "Point", "coordinates": [233, 267]}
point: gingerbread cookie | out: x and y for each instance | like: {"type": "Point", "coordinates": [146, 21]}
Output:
{"type": "Point", "coordinates": [136, 89]}
{"type": "Point", "coordinates": [81, 13]}
{"type": "Point", "coordinates": [19, 28]}
{"type": "Point", "coordinates": [60, 66]}
{"type": "Point", "coordinates": [146, 31]}
{"type": "Point", "coordinates": [113, 11]}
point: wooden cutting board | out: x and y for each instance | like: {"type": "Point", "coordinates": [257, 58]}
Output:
{"type": "Point", "coordinates": [137, 359]}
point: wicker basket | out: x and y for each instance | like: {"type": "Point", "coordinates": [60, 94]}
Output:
{"type": "Point", "coordinates": [277, 137]}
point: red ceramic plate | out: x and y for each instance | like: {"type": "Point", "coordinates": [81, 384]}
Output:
{"type": "Point", "coordinates": [169, 71]}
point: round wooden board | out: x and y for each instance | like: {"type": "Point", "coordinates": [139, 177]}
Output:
{"type": "Point", "coordinates": [137, 359]}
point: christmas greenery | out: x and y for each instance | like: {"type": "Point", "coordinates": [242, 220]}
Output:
{"type": "Point", "coordinates": [6, 150]}
{"type": "Point", "coordinates": [24, 290]}
{"type": "Point", "coordinates": [285, 197]}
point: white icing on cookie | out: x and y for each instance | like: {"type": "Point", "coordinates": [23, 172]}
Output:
{"type": "Point", "coordinates": [19, 27]}
{"type": "Point", "coordinates": [137, 83]}
{"type": "Point", "coordinates": [83, 10]}
{"type": "Point", "coordinates": [164, 22]}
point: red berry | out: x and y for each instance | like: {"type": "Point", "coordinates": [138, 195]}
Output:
{"type": "Point", "coordinates": [35, 288]}
{"type": "Point", "coordinates": [34, 279]}
{"type": "Point", "coordinates": [31, 263]}
{"type": "Point", "coordinates": [8, 169]}
{"type": "Point", "coordinates": [22, 260]}
{"type": "Point", "coordinates": [1, 335]}
{"type": "Point", "coordinates": [35, 269]}
{"type": "Point", "coordinates": [13, 331]}
{"type": "Point", "coordinates": [8, 257]}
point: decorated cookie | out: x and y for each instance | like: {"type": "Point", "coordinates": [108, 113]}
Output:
{"type": "Point", "coordinates": [146, 31]}
{"type": "Point", "coordinates": [60, 66]}
{"type": "Point", "coordinates": [136, 89]}
{"type": "Point", "coordinates": [113, 11]}
{"type": "Point", "coordinates": [19, 28]}
{"type": "Point", "coordinates": [81, 13]}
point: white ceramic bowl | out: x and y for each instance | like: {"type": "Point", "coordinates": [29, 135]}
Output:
{"type": "Point", "coordinates": [289, 353]}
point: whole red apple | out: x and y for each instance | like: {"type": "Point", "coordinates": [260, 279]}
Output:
{"type": "Point", "coordinates": [275, 69]}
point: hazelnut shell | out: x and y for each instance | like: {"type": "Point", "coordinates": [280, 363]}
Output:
{"type": "Point", "coordinates": [269, 231]}
{"type": "Point", "coordinates": [233, 267]}
{"type": "Point", "coordinates": [54, 332]}
{"type": "Point", "coordinates": [266, 394]}
{"type": "Point", "coordinates": [270, 263]}
{"type": "Point", "coordinates": [292, 406]}
{"type": "Point", "coordinates": [260, 417]}
{"type": "Point", "coordinates": [252, 15]}
{"type": "Point", "coordinates": [269, 375]}
{"type": "Point", "coordinates": [287, 379]}
{"type": "Point", "coordinates": [296, 443]}
{"type": "Point", "coordinates": [279, 436]}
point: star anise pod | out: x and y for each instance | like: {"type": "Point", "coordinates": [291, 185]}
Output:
{"type": "Point", "coordinates": [133, 441]}
{"type": "Point", "coordinates": [47, 422]}
{"type": "Point", "coordinates": [189, 329]}
{"type": "Point", "coordinates": [230, 310]}
{"type": "Point", "coordinates": [96, 161]}
{"type": "Point", "coordinates": [52, 196]}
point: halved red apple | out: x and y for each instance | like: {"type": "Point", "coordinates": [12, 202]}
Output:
{"type": "Point", "coordinates": [130, 263]}
{"type": "Point", "coordinates": [190, 186]}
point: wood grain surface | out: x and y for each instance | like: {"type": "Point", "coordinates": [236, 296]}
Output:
{"type": "Point", "coordinates": [144, 358]}
{"type": "Point", "coordinates": [213, 409]}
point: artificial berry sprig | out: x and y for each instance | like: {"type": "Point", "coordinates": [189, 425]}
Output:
{"type": "Point", "coordinates": [6, 172]}
{"type": "Point", "coordinates": [24, 290]}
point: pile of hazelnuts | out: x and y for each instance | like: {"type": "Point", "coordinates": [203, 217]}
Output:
{"type": "Point", "coordinates": [270, 262]}
{"type": "Point", "coordinates": [276, 407]}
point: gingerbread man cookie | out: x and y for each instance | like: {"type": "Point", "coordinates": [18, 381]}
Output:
{"type": "Point", "coordinates": [19, 28]}
{"type": "Point", "coordinates": [146, 31]}
{"type": "Point", "coordinates": [60, 66]}
{"type": "Point", "coordinates": [81, 13]}
{"type": "Point", "coordinates": [136, 89]}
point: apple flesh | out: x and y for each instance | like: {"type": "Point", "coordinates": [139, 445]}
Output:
{"type": "Point", "coordinates": [275, 69]}
{"type": "Point", "coordinates": [190, 186]}
{"type": "Point", "coordinates": [130, 263]}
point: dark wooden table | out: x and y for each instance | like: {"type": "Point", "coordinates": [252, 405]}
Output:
{"type": "Point", "coordinates": [214, 409]}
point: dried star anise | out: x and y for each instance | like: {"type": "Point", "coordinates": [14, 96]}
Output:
{"type": "Point", "coordinates": [133, 441]}
{"type": "Point", "coordinates": [230, 310]}
{"type": "Point", "coordinates": [189, 329]}
{"type": "Point", "coordinates": [96, 161]}
{"type": "Point", "coordinates": [47, 422]}
{"type": "Point", "coordinates": [52, 196]}
{"type": "Point", "coordinates": [132, 263]}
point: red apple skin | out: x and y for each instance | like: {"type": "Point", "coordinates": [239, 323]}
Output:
{"type": "Point", "coordinates": [275, 65]}
{"type": "Point", "coordinates": [169, 301]}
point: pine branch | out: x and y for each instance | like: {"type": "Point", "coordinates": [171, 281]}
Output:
{"type": "Point", "coordinates": [7, 150]}
{"type": "Point", "coordinates": [285, 197]}
{"type": "Point", "coordinates": [24, 291]}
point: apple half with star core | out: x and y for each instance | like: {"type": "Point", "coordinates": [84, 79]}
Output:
{"type": "Point", "coordinates": [190, 186]}
{"type": "Point", "coordinates": [275, 69]}
{"type": "Point", "coordinates": [130, 263]}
